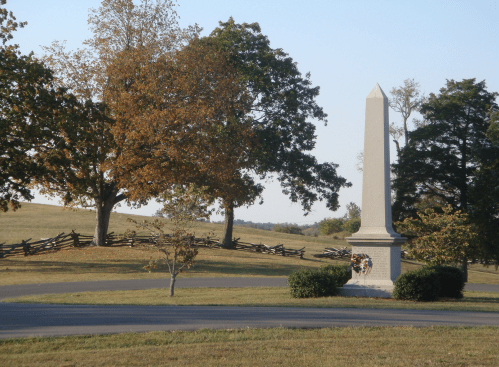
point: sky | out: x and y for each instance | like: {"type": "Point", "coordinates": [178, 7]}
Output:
{"type": "Point", "coordinates": [347, 45]}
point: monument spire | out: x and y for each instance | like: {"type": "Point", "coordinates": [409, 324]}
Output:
{"type": "Point", "coordinates": [376, 219]}
{"type": "Point", "coordinates": [376, 237]}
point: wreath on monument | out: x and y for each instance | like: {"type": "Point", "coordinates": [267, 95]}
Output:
{"type": "Point", "coordinates": [361, 264]}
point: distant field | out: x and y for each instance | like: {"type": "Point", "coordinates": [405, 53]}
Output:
{"type": "Point", "coordinates": [39, 221]}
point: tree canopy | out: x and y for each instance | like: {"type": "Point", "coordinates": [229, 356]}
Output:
{"type": "Point", "coordinates": [444, 156]}
{"type": "Point", "coordinates": [29, 103]}
{"type": "Point", "coordinates": [159, 109]}
{"type": "Point", "coordinates": [280, 108]}
{"type": "Point", "coordinates": [451, 161]}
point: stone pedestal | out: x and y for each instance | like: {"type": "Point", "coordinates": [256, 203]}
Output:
{"type": "Point", "coordinates": [376, 237]}
{"type": "Point", "coordinates": [385, 257]}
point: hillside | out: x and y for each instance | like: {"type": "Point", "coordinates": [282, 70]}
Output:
{"type": "Point", "coordinates": [42, 221]}
{"type": "Point", "coordinates": [93, 263]}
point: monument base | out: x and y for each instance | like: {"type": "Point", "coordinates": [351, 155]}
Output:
{"type": "Point", "coordinates": [371, 291]}
{"type": "Point", "coordinates": [384, 253]}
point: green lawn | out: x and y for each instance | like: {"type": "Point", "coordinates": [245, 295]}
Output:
{"type": "Point", "coordinates": [380, 346]}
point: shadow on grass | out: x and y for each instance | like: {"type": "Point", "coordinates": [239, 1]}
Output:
{"type": "Point", "coordinates": [62, 267]}
{"type": "Point", "coordinates": [201, 267]}
{"type": "Point", "coordinates": [231, 268]}
{"type": "Point", "coordinates": [475, 300]}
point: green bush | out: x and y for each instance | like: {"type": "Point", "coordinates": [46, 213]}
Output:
{"type": "Point", "coordinates": [286, 228]}
{"type": "Point", "coordinates": [451, 281]}
{"type": "Point", "coordinates": [418, 285]}
{"type": "Point", "coordinates": [331, 225]}
{"type": "Point", "coordinates": [340, 273]}
{"type": "Point", "coordinates": [352, 225]}
{"type": "Point", "coordinates": [306, 283]}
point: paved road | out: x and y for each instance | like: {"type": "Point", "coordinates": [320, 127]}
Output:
{"type": "Point", "coordinates": [22, 320]}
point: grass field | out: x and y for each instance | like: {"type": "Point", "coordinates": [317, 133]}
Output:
{"type": "Point", "coordinates": [36, 221]}
{"type": "Point", "coordinates": [398, 346]}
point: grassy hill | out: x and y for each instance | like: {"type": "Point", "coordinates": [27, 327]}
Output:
{"type": "Point", "coordinates": [42, 221]}
{"type": "Point", "coordinates": [91, 263]}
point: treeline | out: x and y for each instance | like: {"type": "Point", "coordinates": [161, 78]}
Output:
{"type": "Point", "coordinates": [292, 228]}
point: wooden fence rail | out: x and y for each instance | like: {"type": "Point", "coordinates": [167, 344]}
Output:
{"type": "Point", "coordinates": [273, 250]}
{"type": "Point", "coordinates": [73, 239]}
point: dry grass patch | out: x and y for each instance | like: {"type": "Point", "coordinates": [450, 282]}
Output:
{"type": "Point", "coordinates": [399, 346]}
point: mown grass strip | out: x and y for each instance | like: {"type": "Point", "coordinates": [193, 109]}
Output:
{"type": "Point", "coordinates": [258, 297]}
{"type": "Point", "coordinates": [398, 346]}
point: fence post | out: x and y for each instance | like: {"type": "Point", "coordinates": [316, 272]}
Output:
{"type": "Point", "coordinates": [75, 237]}
{"type": "Point", "coordinates": [26, 248]}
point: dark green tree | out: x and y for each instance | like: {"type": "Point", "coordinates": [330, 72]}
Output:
{"type": "Point", "coordinates": [28, 105]}
{"type": "Point", "coordinates": [493, 130]}
{"type": "Point", "coordinates": [280, 110]}
{"type": "Point", "coordinates": [443, 158]}
{"type": "Point", "coordinates": [485, 198]}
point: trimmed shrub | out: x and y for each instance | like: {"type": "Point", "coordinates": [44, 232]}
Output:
{"type": "Point", "coordinates": [451, 281]}
{"type": "Point", "coordinates": [307, 283]}
{"type": "Point", "coordinates": [340, 273]}
{"type": "Point", "coordinates": [418, 285]}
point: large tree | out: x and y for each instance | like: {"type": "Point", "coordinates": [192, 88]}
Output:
{"type": "Point", "coordinates": [157, 121]}
{"type": "Point", "coordinates": [443, 158]}
{"type": "Point", "coordinates": [280, 111]}
{"type": "Point", "coordinates": [29, 103]}
{"type": "Point", "coordinates": [82, 165]}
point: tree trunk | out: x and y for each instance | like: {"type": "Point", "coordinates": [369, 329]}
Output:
{"type": "Point", "coordinates": [103, 214]}
{"type": "Point", "coordinates": [108, 197]}
{"type": "Point", "coordinates": [464, 268]}
{"type": "Point", "coordinates": [228, 226]}
{"type": "Point", "coordinates": [172, 285]}
{"type": "Point", "coordinates": [406, 131]}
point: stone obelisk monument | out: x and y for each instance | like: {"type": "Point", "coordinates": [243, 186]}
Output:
{"type": "Point", "coordinates": [376, 237]}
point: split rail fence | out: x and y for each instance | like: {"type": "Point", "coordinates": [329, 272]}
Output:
{"type": "Point", "coordinates": [73, 239]}
{"type": "Point", "coordinates": [273, 250]}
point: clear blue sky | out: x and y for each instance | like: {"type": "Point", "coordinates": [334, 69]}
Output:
{"type": "Point", "coordinates": [347, 45]}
